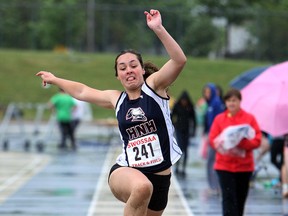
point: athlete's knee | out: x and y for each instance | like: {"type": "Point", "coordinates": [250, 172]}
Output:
{"type": "Point", "coordinates": [143, 190]}
{"type": "Point", "coordinates": [140, 195]}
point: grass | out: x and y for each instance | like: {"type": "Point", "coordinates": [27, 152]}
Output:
{"type": "Point", "coordinates": [19, 83]}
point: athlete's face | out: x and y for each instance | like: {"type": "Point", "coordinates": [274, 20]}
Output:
{"type": "Point", "coordinates": [130, 71]}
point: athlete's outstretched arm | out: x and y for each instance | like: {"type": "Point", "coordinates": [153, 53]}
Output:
{"type": "Point", "coordinates": [169, 72]}
{"type": "Point", "coordinates": [81, 91]}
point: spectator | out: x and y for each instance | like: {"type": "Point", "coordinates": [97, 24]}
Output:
{"type": "Point", "coordinates": [277, 154]}
{"type": "Point", "coordinates": [63, 104]}
{"type": "Point", "coordinates": [82, 112]}
{"type": "Point", "coordinates": [234, 167]}
{"type": "Point", "coordinates": [184, 121]}
{"type": "Point", "coordinates": [214, 107]}
{"type": "Point", "coordinates": [264, 148]}
{"type": "Point", "coordinates": [284, 170]}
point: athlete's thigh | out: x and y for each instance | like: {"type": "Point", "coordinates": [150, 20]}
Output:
{"type": "Point", "coordinates": [123, 180]}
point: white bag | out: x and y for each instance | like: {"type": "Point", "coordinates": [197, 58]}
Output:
{"type": "Point", "coordinates": [231, 136]}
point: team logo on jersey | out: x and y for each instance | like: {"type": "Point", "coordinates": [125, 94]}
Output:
{"type": "Point", "coordinates": [136, 114]}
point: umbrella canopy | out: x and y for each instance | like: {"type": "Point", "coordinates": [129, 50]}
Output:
{"type": "Point", "coordinates": [266, 98]}
{"type": "Point", "coordinates": [246, 77]}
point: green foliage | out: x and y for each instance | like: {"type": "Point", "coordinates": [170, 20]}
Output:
{"type": "Point", "coordinates": [266, 20]}
{"type": "Point", "coordinates": [15, 24]}
{"type": "Point", "coordinates": [235, 11]}
{"type": "Point", "coordinates": [60, 23]}
{"type": "Point", "coordinates": [272, 33]}
{"type": "Point", "coordinates": [19, 83]}
{"type": "Point", "coordinates": [200, 37]}
{"type": "Point", "coordinates": [112, 25]}
{"type": "Point", "coordinates": [117, 24]}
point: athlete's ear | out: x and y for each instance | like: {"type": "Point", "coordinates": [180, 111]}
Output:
{"type": "Point", "coordinates": [144, 71]}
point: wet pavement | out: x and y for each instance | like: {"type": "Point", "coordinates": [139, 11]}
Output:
{"type": "Point", "coordinates": [65, 186]}
{"type": "Point", "coordinates": [62, 183]}
{"type": "Point", "coordinates": [263, 198]}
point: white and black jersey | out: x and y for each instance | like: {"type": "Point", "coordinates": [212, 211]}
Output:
{"type": "Point", "coordinates": [147, 132]}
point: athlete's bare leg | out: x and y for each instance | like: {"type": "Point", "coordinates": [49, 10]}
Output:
{"type": "Point", "coordinates": [133, 188]}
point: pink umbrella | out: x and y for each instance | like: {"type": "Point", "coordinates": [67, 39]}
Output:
{"type": "Point", "coordinates": [266, 97]}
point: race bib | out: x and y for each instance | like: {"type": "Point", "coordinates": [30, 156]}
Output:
{"type": "Point", "coordinates": [144, 151]}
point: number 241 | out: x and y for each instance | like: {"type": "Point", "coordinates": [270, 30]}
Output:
{"type": "Point", "coordinates": [143, 151]}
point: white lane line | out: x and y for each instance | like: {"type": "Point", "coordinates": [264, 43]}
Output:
{"type": "Point", "coordinates": [102, 180]}
{"type": "Point", "coordinates": [182, 197]}
{"type": "Point", "coordinates": [10, 185]}
{"type": "Point", "coordinates": [33, 166]}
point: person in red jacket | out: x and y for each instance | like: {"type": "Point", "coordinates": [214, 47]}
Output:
{"type": "Point", "coordinates": [234, 164]}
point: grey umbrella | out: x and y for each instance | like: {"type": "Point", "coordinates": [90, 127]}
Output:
{"type": "Point", "coordinates": [246, 77]}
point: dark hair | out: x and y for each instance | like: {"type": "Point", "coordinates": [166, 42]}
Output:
{"type": "Point", "coordinates": [231, 93]}
{"type": "Point", "coordinates": [138, 55]}
{"type": "Point", "coordinates": [149, 68]}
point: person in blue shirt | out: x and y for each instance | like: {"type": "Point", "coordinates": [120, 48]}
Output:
{"type": "Point", "coordinates": [215, 105]}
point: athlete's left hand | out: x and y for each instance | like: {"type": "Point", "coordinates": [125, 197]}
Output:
{"type": "Point", "coordinates": [153, 19]}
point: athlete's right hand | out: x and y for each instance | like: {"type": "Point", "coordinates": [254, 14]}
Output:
{"type": "Point", "coordinates": [46, 77]}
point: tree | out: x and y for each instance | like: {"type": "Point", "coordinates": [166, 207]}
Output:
{"type": "Point", "coordinates": [60, 23]}
{"type": "Point", "coordinates": [271, 32]}
{"type": "Point", "coordinates": [201, 37]}
{"type": "Point", "coordinates": [16, 20]}
{"type": "Point", "coordinates": [116, 24]}
{"type": "Point", "coordinates": [233, 11]}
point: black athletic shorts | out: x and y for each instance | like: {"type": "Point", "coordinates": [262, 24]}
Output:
{"type": "Point", "coordinates": [161, 184]}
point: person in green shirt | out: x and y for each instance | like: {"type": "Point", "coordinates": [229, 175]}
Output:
{"type": "Point", "coordinates": [63, 105]}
